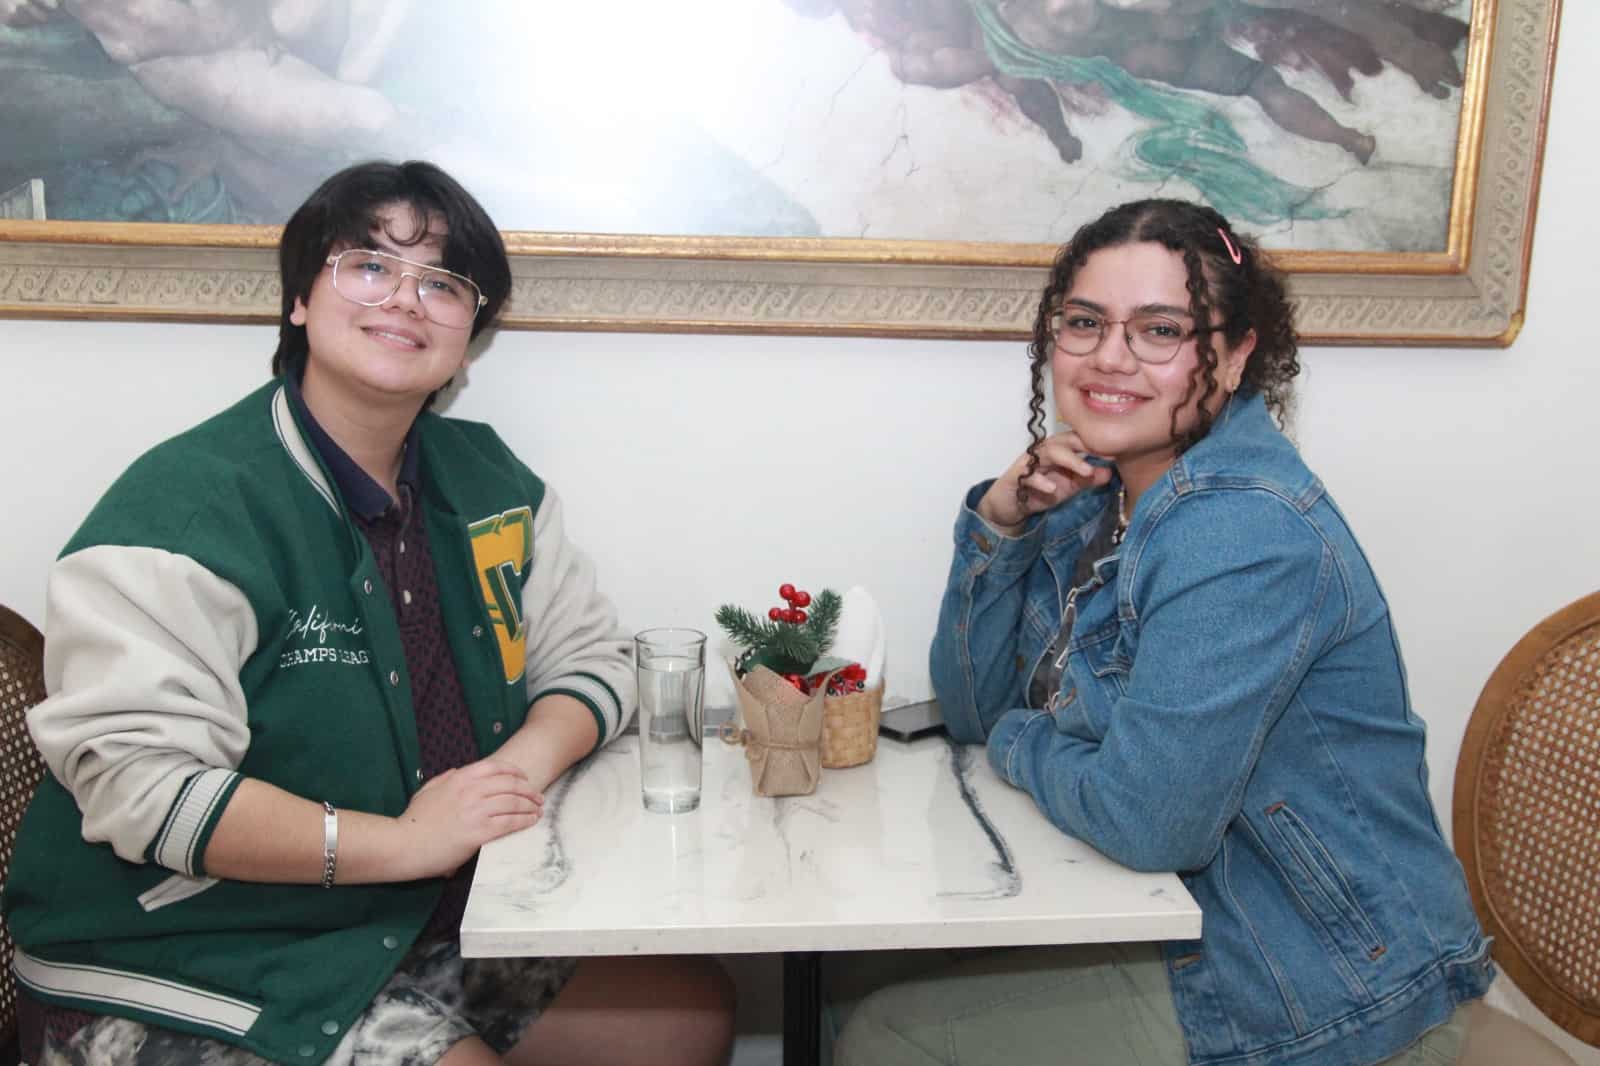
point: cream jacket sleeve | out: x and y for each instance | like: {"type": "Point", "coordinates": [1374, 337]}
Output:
{"type": "Point", "coordinates": [145, 723]}
{"type": "Point", "coordinates": [574, 644]}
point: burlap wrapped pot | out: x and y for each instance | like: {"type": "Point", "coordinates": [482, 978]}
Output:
{"type": "Point", "coordinates": [781, 734]}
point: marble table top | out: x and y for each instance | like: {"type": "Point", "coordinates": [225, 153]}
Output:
{"type": "Point", "coordinates": [921, 847]}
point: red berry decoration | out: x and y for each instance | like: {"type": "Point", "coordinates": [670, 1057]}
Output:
{"type": "Point", "coordinates": [786, 638]}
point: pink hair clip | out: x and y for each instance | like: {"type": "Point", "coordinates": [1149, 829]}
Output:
{"type": "Point", "coordinates": [1233, 252]}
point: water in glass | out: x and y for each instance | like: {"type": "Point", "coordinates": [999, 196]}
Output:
{"type": "Point", "coordinates": [669, 712]}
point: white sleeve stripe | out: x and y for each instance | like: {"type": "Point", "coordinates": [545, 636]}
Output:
{"type": "Point", "coordinates": [175, 889]}
{"type": "Point", "coordinates": [105, 985]}
{"type": "Point", "coordinates": [181, 834]}
{"type": "Point", "coordinates": [591, 690]}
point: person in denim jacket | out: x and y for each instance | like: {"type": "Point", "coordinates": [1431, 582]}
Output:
{"type": "Point", "coordinates": [1164, 631]}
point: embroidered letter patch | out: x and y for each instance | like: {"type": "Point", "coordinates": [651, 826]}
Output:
{"type": "Point", "coordinates": [502, 547]}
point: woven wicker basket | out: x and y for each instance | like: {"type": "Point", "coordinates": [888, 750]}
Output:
{"type": "Point", "coordinates": [850, 728]}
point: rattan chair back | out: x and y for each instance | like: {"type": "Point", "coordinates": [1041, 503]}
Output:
{"type": "Point", "coordinates": [21, 767]}
{"type": "Point", "coordinates": [1527, 815]}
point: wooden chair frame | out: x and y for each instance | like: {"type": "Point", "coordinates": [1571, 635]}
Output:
{"type": "Point", "coordinates": [1523, 963]}
{"type": "Point", "coordinates": [16, 632]}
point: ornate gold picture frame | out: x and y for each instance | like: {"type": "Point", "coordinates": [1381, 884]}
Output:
{"type": "Point", "coordinates": [1470, 294]}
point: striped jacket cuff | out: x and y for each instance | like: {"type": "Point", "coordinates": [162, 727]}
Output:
{"type": "Point", "coordinates": [188, 826]}
{"type": "Point", "coordinates": [594, 694]}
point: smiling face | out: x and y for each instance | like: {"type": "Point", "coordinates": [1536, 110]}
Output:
{"type": "Point", "coordinates": [387, 356]}
{"type": "Point", "coordinates": [1120, 407]}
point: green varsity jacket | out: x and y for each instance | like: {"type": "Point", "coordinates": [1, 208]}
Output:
{"type": "Point", "coordinates": [219, 616]}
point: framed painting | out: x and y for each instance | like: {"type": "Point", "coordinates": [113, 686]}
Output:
{"type": "Point", "coordinates": [879, 167]}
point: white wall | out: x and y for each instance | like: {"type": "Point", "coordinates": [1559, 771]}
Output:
{"type": "Point", "coordinates": [705, 469]}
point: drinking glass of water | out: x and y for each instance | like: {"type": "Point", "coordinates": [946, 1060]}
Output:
{"type": "Point", "coordinates": [671, 665]}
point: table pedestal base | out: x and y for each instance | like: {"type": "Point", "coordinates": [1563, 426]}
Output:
{"type": "Point", "coordinates": [802, 1008]}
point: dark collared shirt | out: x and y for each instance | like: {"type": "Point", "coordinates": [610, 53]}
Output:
{"type": "Point", "coordinates": [398, 536]}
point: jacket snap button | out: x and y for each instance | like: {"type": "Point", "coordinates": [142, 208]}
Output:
{"type": "Point", "coordinates": [306, 1051]}
{"type": "Point", "coordinates": [366, 586]}
{"type": "Point", "coordinates": [330, 1027]}
{"type": "Point", "coordinates": [419, 773]}
{"type": "Point", "coordinates": [391, 942]}
{"type": "Point", "coordinates": [498, 726]}
{"type": "Point", "coordinates": [477, 631]}
{"type": "Point", "coordinates": [394, 677]}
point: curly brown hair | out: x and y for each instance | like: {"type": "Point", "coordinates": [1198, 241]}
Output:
{"type": "Point", "coordinates": [1249, 295]}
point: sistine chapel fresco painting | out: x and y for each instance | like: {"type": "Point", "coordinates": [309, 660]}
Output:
{"type": "Point", "coordinates": [1319, 124]}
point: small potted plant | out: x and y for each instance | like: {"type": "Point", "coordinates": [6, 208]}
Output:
{"type": "Point", "coordinates": [792, 645]}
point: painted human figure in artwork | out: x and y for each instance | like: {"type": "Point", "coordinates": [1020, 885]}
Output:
{"type": "Point", "coordinates": [1042, 54]}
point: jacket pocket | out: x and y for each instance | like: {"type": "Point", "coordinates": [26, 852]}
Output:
{"type": "Point", "coordinates": [1105, 651]}
{"type": "Point", "coordinates": [1322, 885]}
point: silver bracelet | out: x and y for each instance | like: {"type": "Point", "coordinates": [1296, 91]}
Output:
{"type": "Point", "coordinates": [330, 842]}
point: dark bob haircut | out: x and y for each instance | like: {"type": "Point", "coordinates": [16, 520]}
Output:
{"type": "Point", "coordinates": [343, 212]}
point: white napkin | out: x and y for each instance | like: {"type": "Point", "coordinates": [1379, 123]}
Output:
{"type": "Point", "coordinates": [860, 636]}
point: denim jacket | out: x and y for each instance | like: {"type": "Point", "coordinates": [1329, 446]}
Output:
{"type": "Point", "coordinates": [1232, 707]}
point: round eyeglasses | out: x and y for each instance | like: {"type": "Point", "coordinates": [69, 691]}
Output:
{"type": "Point", "coordinates": [1152, 338]}
{"type": "Point", "coordinates": [371, 278]}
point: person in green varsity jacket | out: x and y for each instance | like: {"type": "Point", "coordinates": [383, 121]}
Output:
{"type": "Point", "coordinates": [303, 661]}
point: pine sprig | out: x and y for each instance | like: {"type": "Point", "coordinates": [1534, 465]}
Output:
{"type": "Point", "coordinates": [789, 642]}
{"type": "Point", "coordinates": [782, 646]}
{"type": "Point", "coordinates": [743, 627]}
{"type": "Point", "coordinates": [823, 621]}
